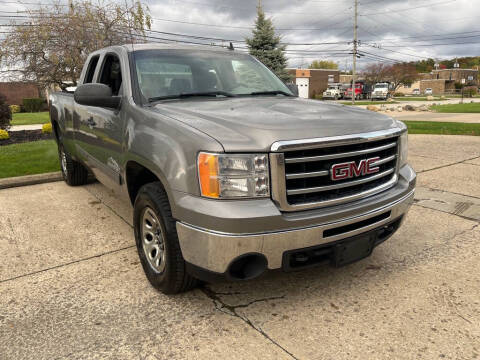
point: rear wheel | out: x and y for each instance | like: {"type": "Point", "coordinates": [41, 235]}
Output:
{"type": "Point", "coordinates": [157, 241]}
{"type": "Point", "coordinates": [73, 172]}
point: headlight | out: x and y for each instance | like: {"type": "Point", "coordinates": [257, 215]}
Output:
{"type": "Point", "coordinates": [227, 176]}
{"type": "Point", "coordinates": [403, 149]}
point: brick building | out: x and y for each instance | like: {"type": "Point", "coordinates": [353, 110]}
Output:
{"type": "Point", "coordinates": [456, 75]}
{"type": "Point", "coordinates": [443, 80]}
{"type": "Point", "coordinates": [313, 82]}
{"type": "Point", "coordinates": [438, 86]}
{"type": "Point", "coordinates": [15, 92]}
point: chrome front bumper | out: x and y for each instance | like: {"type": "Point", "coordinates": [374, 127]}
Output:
{"type": "Point", "coordinates": [215, 251]}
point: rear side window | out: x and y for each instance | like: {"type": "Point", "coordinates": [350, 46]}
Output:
{"type": "Point", "coordinates": [111, 73]}
{"type": "Point", "coordinates": [91, 69]}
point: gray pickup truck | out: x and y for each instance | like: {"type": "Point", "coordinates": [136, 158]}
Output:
{"type": "Point", "coordinates": [228, 172]}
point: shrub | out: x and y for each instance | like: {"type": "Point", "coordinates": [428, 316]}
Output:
{"type": "Point", "coordinates": [33, 104]}
{"type": "Point", "coordinates": [470, 92]}
{"type": "Point", "coordinates": [4, 135]}
{"type": "Point", "coordinates": [398, 94]}
{"type": "Point", "coordinates": [5, 113]}
{"type": "Point", "coordinates": [15, 109]}
{"type": "Point", "coordinates": [47, 129]}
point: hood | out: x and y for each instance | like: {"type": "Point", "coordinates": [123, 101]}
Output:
{"type": "Point", "coordinates": [255, 123]}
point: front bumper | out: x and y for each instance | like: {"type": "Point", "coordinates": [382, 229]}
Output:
{"type": "Point", "coordinates": [215, 250]}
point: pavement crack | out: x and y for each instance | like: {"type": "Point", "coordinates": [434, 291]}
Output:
{"type": "Point", "coordinates": [451, 192]}
{"type": "Point", "coordinates": [447, 165]}
{"type": "Point", "coordinates": [231, 310]}
{"type": "Point", "coordinates": [66, 264]}
{"type": "Point", "coordinates": [447, 212]}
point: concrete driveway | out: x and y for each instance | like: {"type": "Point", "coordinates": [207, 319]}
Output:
{"type": "Point", "coordinates": [71, 286]}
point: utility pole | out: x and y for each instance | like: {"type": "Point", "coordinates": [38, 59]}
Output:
{"type": "Point", "coordinates": [354, 72]}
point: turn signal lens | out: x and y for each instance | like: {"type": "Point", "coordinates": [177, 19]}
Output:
{"type": "Point", "coordinates": [208, 174]}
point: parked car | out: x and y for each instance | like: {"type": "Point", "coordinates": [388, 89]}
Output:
{"type": "Point", "coordinates": [228, 173]}
{"type": "Point", "coordinates": [416, 92]}
{"type": "Point", "coordinates": [428, 91]}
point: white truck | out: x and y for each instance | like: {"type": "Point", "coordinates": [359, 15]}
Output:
{"type": "Point", "coordinates": [381, 91]}
{"type": "Point", "coordinates": [334, 91]}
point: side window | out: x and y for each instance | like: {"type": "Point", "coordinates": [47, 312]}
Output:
{"type": "Point", "coordinates": [91, 69]}
{"type": "Point", "coordinates": [111, 73]}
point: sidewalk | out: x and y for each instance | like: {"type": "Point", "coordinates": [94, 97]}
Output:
{"type": "Point", "coordinates": [26, 127]}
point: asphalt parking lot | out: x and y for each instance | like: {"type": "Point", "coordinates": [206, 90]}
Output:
{"type": "Point", "coordinates": [71, 286]}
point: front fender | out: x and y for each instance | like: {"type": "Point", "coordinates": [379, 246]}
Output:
{"type": "Point", "coordinates": [167, 147]}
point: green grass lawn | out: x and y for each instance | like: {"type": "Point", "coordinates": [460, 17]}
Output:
{"type": "Point", "coordinates": [368, 102]}
{"type": "Point", "coordinates": [30, 118]}
{"type": "Point", "coordinates": [442, 128]}
{"type": "Point", "coordinates": [457, 108]}
{"type": "Point", "coordinates": [30, 158]}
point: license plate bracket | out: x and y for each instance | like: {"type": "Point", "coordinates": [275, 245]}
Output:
{"type": "Point", "coordinates": [354, 249]}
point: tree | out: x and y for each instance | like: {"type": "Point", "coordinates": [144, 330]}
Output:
{"type": "Point", "coordinates": [5, 113]}
{"type": "Point", "coordinates": [402, 74]}
{"type": "Point", "coordinates": [51, 47]}
{"type": "Point", "coordinates": [323, 64]}
{"type": "Point", "coordinates": [375, 73]}
{"type": "Point", "coordinates": [265, 46]}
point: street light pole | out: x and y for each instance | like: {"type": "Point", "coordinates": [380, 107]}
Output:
{"type": "Point", "coordinates": [354, 72]}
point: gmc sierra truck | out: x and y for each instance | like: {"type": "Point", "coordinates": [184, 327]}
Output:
{"type": "Point", "coordinates": [230, 174]}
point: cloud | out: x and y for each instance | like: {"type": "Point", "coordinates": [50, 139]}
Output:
{"type": "Point", "coordinates": [389, 25]}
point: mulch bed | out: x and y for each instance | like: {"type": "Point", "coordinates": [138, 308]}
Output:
{"type": "Point", "coordinates": [23, 136]}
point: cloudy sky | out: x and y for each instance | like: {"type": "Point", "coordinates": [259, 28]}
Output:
{"type": "Point", "coordinates": [389, 30]}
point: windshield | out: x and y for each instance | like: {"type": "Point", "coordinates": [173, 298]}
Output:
{"type": "Point", "coordinates": [170, 73]}
{"type": "Point", "coordinates": [381, 86]}
{"type": "Point", "coordinates": [332, 88]}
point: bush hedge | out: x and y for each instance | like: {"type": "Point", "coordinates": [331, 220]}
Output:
{"type": "Point", "coordinates": [4, 135]}
{"type": "Point", "coordinates": [47, 129]}
{"type": "Point", "coordinates": [5, 114]}
{"type": "Point", "coordinates": [33, 104]}
{"type": "Point", "coordinates": [15, 109]}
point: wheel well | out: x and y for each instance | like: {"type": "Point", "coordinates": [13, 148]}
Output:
{"type": "Point", "coordinates": [137, 176]}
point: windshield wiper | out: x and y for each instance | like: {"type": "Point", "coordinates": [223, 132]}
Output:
{"type": "Point", "coordinates": [185, 95]}
{"type": "Point", "coordinates": [273, 92]}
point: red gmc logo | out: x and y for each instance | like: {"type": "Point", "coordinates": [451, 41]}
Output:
{"type": "Point", "coordinates": [351, 169]}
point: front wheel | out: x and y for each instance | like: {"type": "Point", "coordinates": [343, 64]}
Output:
{"type": "Point", "coordinates": [157, 241]}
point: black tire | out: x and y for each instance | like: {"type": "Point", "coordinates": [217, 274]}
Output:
{"type": "Point", "coordinates": [73, 172]}
{"type": "Point", "coordinates": [173, 278]}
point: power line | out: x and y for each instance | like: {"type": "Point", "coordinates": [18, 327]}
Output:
{"type": "Point", "coordinates": [408, 9]}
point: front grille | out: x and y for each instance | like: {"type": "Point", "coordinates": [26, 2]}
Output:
{"type": "Point", "coordinates": [308, 172]}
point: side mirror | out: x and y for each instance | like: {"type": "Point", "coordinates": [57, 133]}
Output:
{"type": "Point", "coordinates": [293, 88]}
{"type": "Point", "coordinates": [96, 95]}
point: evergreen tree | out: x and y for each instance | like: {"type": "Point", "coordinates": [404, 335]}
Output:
{"type": "Point", "coordinates": [265, 46]}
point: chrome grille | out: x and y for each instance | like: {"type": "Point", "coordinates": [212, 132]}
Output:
{"type": "Point", "coordinates": [305, 174]}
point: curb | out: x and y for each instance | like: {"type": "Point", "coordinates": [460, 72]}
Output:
{"type": "Point", "coordinates": [30, 180]}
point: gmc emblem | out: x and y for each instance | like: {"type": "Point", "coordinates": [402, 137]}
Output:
{"type": "Point", "coordinates": [351, 169]}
